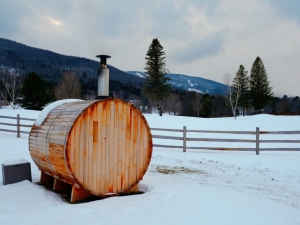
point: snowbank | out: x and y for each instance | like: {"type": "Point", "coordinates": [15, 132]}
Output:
{"type": "Point", "coordinates": [50, 107]}
{"type": "Point", "coordinates": [14, 161]}
{"type": "Point", "coordinates": [195, 187]}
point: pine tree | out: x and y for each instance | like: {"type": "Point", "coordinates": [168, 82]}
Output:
{"type": "Point", "coordinates": [241, 80]}
{"type": "Point", "coordinates": [35, 92]}
{"type": "Point", "coordinates": [207, 106]}
{"type": "Point", "coordinates": [155, 86]}
{"type": "Point", "coordinates": [260, 89]}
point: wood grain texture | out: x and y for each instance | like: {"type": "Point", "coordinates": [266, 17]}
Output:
{"type": "Point", "coordinates": [78, 194]}
{"type": "Point", "coordinates": [46, 179]}
{"type": "Point", "coordinates": [103, 146]}
{"type": "Point", "coordinates": [59, 185]}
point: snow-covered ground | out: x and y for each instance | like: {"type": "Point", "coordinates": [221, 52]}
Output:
{"type": "Point", "coordinates": [196, 187]}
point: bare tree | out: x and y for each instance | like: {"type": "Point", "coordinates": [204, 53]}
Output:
{"type": "Point", "coordinates": [137, 103]}
{"type": "Point", "coordinates": [10, 86]}
{"type": "Point", "coordinates": [68, 87]}
{"type": "Point", "coordinates": [197, 103]}
{"type": "Point", "coordinates": [90, 94]}
{"type": "Point", "coordinates": [173, 104]}
{"type": "Point", "coordinates": [118, 95]}
{"type": "Point", "coordinates": [232, 94]}
{"type": "Point", "coordinates": [157, 107]}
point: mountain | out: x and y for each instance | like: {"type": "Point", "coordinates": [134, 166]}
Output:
{"type": "Point", "coordinates": [50, 65]}
{"type": "Point", "coordinates": [189, 83]}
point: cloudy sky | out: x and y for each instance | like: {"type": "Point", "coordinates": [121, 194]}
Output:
{"type": "Point", "coordinates": [206, 38]}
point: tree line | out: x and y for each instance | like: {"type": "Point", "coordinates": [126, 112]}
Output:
{"type": "Point", "coordinates": [245, 94]}
{"type": "Point", "coordinates": [252, 91]}
{"type": "Point", "coordinates": [32, 92]}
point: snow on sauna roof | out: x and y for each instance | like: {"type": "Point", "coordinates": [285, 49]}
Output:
{"type": "Point", "coordinates": [14, 161]}
{"type": "Point", "coordinates": [50, 107]}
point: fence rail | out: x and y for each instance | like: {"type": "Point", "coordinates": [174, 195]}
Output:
{"type": "Point", "coordinates": [257, 140]}
{"type": "Point", "coordinates": [186, 139]}
{"type": "Point", "coordinates": [17, 124]}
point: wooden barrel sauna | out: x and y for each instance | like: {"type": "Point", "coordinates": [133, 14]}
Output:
{"type": "Point", "coordinates": [99, 147]}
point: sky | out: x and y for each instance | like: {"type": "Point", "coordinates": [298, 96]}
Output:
{"type": "Point", "coordinates": [204, 38]}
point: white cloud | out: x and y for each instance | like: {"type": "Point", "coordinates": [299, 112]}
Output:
{"type": "Point", "coordinates": [201, 38]}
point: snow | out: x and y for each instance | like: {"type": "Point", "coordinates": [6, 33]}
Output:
{"type": "Point", "coordinates": [193, 89]}
{"type": "Point", "coordinates": [14, 161]}
{"type": "Point", "coordinates": [195, 187]}
{"type": "Point", "coordinates": [189, 81]}
{"type": "Point", "coordinates": [140, 75]}
{"type": "Point", "coordinates": [50, 107]}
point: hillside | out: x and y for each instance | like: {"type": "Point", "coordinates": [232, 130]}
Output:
{"type": "Point", "coordinates": [50, 65]}
{"type": "Point", "coordinates": [189, 83]}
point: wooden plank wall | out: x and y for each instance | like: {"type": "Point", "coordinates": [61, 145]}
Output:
{"type": "Point", "coordinates": [117, 149]}
{"type": "Point", "coordinates": [47, 143]}
{"type": "Point", "coordinates": [102, 146]}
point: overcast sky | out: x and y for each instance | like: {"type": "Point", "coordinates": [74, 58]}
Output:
{"type": "Point", "coordinates": [206, 38]}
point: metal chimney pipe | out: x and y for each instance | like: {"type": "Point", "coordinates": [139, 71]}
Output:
{"type": "Point", "coordinates": [103, 77]}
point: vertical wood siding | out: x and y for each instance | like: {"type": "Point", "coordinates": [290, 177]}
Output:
{"type": "Point", "coordinates": [102, 146]}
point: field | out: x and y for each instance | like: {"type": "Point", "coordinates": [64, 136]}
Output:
{"type": "Point", "coordinates": [195, 187]}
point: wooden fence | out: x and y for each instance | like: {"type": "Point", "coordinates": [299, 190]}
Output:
{"type": "Point", "coordinates": [186, 139]}
{"type": "Point", "coordinates": [18, 124]}
{"type": "Point", "coordinates": [257, 140]}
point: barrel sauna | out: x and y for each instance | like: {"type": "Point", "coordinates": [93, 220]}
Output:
{"type": "Point", "coordinates": [98, 147]}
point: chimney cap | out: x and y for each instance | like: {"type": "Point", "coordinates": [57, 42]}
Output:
{"type": "Point", "coordinates": [103, 56]}
{"type": "Point", "coordinates": [103, 59]}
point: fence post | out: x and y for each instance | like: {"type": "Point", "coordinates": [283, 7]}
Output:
{"type": "Point", "coordinates": [18, 125]}
{"type": "Point", "coordinates": [184, 138]}
{"type": "Point", "coordinates": [257, 140]}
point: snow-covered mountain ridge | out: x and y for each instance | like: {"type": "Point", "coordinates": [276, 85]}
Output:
{"type": "Point", "coordinates": [190, 83]}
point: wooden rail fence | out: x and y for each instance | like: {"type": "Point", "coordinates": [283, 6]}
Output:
{"type": "Point", "coordinates": [17, 124]}
{"type": "Point", "coordinates": [186, 139]}
{"type": "Point", "coordinates": [257, 140]}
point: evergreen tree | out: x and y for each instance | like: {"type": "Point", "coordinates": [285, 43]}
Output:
{"type": "Point", "coordinates": [187, 103]}
{"type": "Point", "coordinates": [260, 89]}
{"type": "Point", "coordinates": [207, 106]}
{"type": "Point", "coordinates": [35, 92]}
{"type": "Point", "coordinates": [155, 86]}
{"type": "Point", "coordinates": [241, 80]}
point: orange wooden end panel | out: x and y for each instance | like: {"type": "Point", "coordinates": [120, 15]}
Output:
{"type": "Point", "coordinates": [106, 147]}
